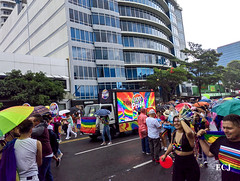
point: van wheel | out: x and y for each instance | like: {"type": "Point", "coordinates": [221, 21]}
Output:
{"type": "Point", "coordinates": [93, 137]}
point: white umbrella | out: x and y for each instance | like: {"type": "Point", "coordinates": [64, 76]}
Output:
{"type": "Point", "coordinates": [63, 112]}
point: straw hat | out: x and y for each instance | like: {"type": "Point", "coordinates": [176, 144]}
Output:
{"type": "Point", "coordinates": [166, 113]}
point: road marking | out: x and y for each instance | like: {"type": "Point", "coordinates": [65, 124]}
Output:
{"type": "Point", "coordinates": [102, 147]}
{"type": "Point", "coordinates": [142, 164]}
{"type": "Point", "coordinates": [68, 141]}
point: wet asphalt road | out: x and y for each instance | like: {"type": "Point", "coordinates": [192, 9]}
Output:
{"type": "Point", "coordinates": [86, 160]}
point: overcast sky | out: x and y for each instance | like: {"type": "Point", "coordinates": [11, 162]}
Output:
{"type": "Point", "coordinates": [212, 23]}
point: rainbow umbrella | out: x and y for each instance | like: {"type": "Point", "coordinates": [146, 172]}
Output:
{"type": "Point", "coordinates": [12, 117]}
{"type": "Point", "coordinates": [228, 98]}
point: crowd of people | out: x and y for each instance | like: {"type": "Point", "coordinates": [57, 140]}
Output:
{"type": "Point", "coordinates": [180, 132]}
{"type": "Point", "coordinates": [31, 146]}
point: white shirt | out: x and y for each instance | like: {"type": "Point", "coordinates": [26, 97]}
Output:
{"type": "Point", "coordinates": [153, 127]}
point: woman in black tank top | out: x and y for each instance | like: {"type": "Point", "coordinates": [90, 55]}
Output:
{"type": "Point", "coordinates": [185, 166]}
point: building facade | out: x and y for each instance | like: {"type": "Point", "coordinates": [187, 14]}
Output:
{"type": "Point", "coordinates": [110, 44]}
{"type": "Point", "coordinates": [6, 7]}
{"type": "Point", "coordinates": [229, 52]}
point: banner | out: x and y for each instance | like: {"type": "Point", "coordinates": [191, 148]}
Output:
{"type": "Point", "coordinates": [88, 124]}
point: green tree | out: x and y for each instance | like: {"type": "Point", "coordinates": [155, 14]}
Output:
{"type": "Point", "coordinates": [231, 75]}
{"type": "Point", "coordinates": [168, 79]}
{"type": "Point", "coordinates": [33, 88]}
{"type": "Point", "coordinates": [202, 65]}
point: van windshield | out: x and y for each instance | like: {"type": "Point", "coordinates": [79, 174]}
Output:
{"type": "Point", "coordinates": [90, 110]}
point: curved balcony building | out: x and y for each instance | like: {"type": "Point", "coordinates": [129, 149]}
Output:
{"type": "Point", "coordinates": [108, 44]}
{"type": "Point", "coordinates": [147, 37]}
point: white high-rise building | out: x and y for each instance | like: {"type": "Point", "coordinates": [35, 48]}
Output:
{"type": "Point", "coordinates": [110, 44]}
{"type": "Point", "coordinates": [6, 7]}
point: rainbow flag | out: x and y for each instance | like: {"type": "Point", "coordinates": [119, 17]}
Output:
{"type": "Point", "coordinates": [88, 124]}
{"type": "Point", "coordinates": [211, 136]}
{"type": "Point", "coordinates": [230, 158]}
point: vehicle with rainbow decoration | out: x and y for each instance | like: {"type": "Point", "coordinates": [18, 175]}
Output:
{"type": "Point", "coordinates": [124, 106]}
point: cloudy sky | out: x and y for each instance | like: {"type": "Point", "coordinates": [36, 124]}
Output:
{"type": "Point", "coordinates": [212, 23]}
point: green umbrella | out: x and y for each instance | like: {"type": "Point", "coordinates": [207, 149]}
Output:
{"type": "Point", "coordinates": [228, 107]}
{"type": "Point", "coordinates": [12, 117]}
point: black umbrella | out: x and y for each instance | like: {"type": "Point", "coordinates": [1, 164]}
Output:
{"type": "Point", "coordinates": [73, 110]}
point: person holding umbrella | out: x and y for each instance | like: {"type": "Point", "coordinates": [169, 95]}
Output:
{"type": "Point", "coordinates": [106, 129]}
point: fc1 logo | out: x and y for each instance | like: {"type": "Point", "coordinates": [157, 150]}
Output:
{"type": "Point", "coordinates": [223, 167]}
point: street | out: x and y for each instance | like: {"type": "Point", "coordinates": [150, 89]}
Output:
{"type": "Point", "coordinates": [84, 159]}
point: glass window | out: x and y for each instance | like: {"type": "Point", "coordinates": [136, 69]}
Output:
{"type": "Point", "coordinates": [111, 5]}
{"type": "Point", "coordinates": [102, 19]}
{"type": "Point", "coordinates": [119, 39]}
{"type": "Point", "coordinates": [85, 18]}
{"type": "Point", "coordinates": [91, 91]}
{"type": "Point", "coordinates": [91, 36]}
{"type": "Point", "coordinates": [71, 14]}
{"type": "Point", "coordinates": [97, 36]}
{"type": "Point", "coordinates": [112, 70]}
{"type": "Point", "coordinates": [105, 4]}
{"type": "Point", "coordinates": [74, 52]}
{"type": "Point", "coordinates": [118, 72]}
{"type": "Point", "coordinates": [72, 33]}
{"type": "Point", "coordinates": [125, 41]}
{"type": "Point", "coordinates": [108, 23]}
{"type": "Point", "coordinates": [82, 35]}
{"type": "Point", "coordinates": [110, 54]}
{"type": "Point", "coordinates": [84, 54]}
{"type": "Point", "coordinates": [90, 72]}
{"type": "Point", "coordinates": [113, 21]}
{"type": "Point", "coordinates": [79, 54]}
{"type": "Point", "coordinates": [123, 71]}
{"type": "Point", "coordinates": [77, 34]}
{"type": "Point", "coordinates": [81, 17]}
{"type": "Point", "coordinates": [100, 4]}
{"type": "Point", "coordinates": [98, 53]}
{"type": "Point", "coordinates": [103, 36]}
{"type": "Point", "coordinates": [77, 93]}
{"type": "Point", "coordinates": [114, 37]}
{"type": "Point", "coordinates": [129, 26]}
{"type": "Point", "coordinates": [80, 69]}
{"type": "Point", "coordinates": [85, 73]}
{"type": "Point", "coordinates": [128, 10]}
{"type": "Point", "coordinates": [134, 73]}
{"type": "Point", "coordinates": [116, 7]}
{"type": "Point", "coordinates": [129, 73]}
{"type": "Point", "coordinates": [76, 16]}
{"type": "Point", "coordinates": [105, 53]}
{"type": "Point", "coordinates": [118, 23]}
{"type": "Point", "coordinates": [87, 91]}
{"type": "Point", "coordinates": [82, 91]}
{"type": "Point", "coordinates": [109, 37]}
{"type": "Point", "coordinates": [95, 18]}
{"type": "Point", "coordinates": [131, 42]}
{"type": "Point", "coordinates": [94, 3]}
{"type": "Point", "coordinates": [100, 71]}
{"type": "Point", "coordinates": [87, 36]}
{"type": "Point", "coordinates": [106, 71]}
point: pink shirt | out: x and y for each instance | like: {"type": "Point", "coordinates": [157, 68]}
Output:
{"type": "Point", "coordinates": [142, 127]}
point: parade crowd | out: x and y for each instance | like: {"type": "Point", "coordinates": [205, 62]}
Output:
{"type": "Point", "coordinates": [188, 132]}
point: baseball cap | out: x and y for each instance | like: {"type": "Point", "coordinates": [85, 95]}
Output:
{"type": "Point", "coordinates": [152, 111]}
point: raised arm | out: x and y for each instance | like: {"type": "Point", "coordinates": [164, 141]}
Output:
{"type": "Point", "coordinates": [205, 146]}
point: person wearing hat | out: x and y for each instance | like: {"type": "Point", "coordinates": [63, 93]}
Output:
{"type": "Point", "coordinates": [153, 135]}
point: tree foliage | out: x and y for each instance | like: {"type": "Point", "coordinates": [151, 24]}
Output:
{"type": "Point", "coordinates": [168, 79]}
{"type": "Point", "coordinates": [231, 75]}
{"type": "Point", "coordinates": [203, 65]}
{"type": "Point", "coordinates": [32, 88]}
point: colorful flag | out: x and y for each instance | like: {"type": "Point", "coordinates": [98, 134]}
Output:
{"type": "Point", "coordinates": [211, 136]}
{"type": "Point", "coordinates": [88, 124]}
{"type": "Point", "coordinates": [230, 158]}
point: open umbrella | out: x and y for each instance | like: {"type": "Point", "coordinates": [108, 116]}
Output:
{"type": "Point", "coordinates": [181, 105]}
{"type": "Point", "coordinates": [228, 107]}
{"type": "Point", "coordinates": [73, 110]}
{"type": "Point", "coordinates": [102, 112]}
{"type": "Point", "coordinates": [12, 117]}
{"type": "Point", "coordinates": [42, 110]}
{"type": "Point", "coordinates": [63, 112]}
{"type": "Point", "coordinates": [205, 100]}
{"type": "Point", "coordinates": [200, 104]}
